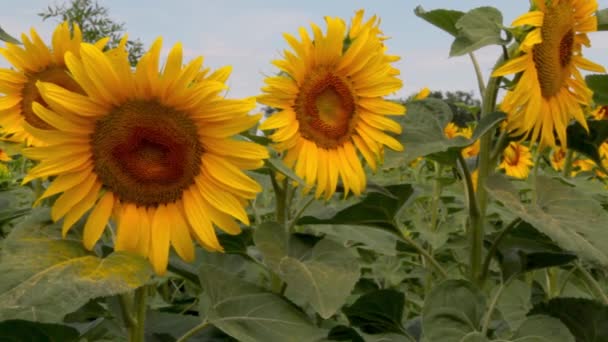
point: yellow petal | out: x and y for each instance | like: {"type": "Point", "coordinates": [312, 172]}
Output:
{"type": "Point", "coordinates": [97, 220]}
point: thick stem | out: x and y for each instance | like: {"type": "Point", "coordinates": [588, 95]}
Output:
{"type": "Point", "coordinates": [126, 305]}
{"type": "Point", "coordinates": [475, 222]}
{"type": "Point", "coordinates": [478, 74]}
{"type": "Point", "coordinates": [436, 197]}
{"type": "Point", "coordinates": [141, 296]}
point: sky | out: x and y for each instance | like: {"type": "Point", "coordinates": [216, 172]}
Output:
{"type": "Point", "coordinates": [247, 34]}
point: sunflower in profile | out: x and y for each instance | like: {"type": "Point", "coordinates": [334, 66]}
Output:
{"type": "Point", "coordinates": [600, 113]}
{"type": "Point", "coordinates": [153, 150]}
{"type": "Point", "coordinates": [516, 160]}
{"type": "Point", "coordinates": [34, 62]}
{"type": "Point", "coordinates": [551, 90]}
{"type": "Point", "coordinates": [330, 99]}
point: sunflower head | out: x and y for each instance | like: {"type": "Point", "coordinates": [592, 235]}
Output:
{"type": "Point", "coordinates": [516, 160]}
{"type": "Point", "coordinates": [4, 156]}
{"type": "Point", "coordinates": [330, 106]}
{"type": "Point", "coordinates": [551, 91]}
{"type": "Point", "coordinates": [34, 62]}
{"type": "Point", "coordinates": [601, 113]}
{"type": "Point", "coordinates": [152, 149]}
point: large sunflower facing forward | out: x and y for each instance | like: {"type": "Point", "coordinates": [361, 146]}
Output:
{"type": "Point", "coordinates": [551, 89]}
{"type": "Point", "coordinates": [329, 97]}
{"type": "Point", "coordinates": [34, 62]}
{"type": "Point", "coordinates": [152, 149]}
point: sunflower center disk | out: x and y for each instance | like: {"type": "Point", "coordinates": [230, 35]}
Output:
{"type": "Point", "coordinates": [53, 74]}
{"type": "Point", "coordinates": [552, 57]}
{"type": "Point", "coordinates": [146, 153]}
{"type": "Point", "coordinates": [325, 109]}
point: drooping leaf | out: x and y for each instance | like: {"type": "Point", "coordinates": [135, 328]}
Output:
{"type": "Point", "coordinates": [441, 18]}
{"type": "Point", "coordinates": [452, 310]}
{"type": "Point", "coordinates": [541, 328]}
{"type": "Point", "coordinates": [379, 311]}
{"type": "Point", "coordinates": [478, 28]}
{"type": "Point", "coordinates": [15, 330]}
{"type": "Point", "coordinates": [45, 277]}
{"type": "Point", "coordinates": [599, 85]}
{"type": "Point", "coordinates": [8, 38]}
{"type": "Point", "coordinates": [602, 20]}
{"type": "Point", "coordinates": [525, 249]}
{"type": "Point", "coordinates": [587, 320]}
{"type": "Point", "coordinates": [249, 313]}
{"type": "Point", "coordinates": [375, 209]}
{"type": "Point", "coordinates": [573, 220]}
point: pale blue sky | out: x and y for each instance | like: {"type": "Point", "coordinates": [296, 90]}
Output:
{"type": "Point", "coordinates": [247, 34]}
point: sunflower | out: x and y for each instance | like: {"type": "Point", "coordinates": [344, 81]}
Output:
{"type": "Point", "coordinates": [4, 156]}
{"type": "Point", "coordinates": [330, 99]}
{"type": "Point", "coordinates": [34, 62]}
{"type": "Point", "coordinates": [516, 160]}
{"type": "Point", "coordinates": [551, 89]}
{"type": "Point", "coordinates": [601, 113]}
{"type": "Point", "coordinates": [558, 158]}
{"type": "Point", "coordinates": [153, 150]}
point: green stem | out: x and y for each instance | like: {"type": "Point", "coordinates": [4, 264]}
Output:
{"type": "Point", "coordinates": [488, 316]}
{"type": "Point", "coordinates": [485, 269]}
{"type": "Point", "coordinates": [568, 163]}
{"type": "Point", "coordinates": [193, 331]}
{"type": "Point", "coordinates": [141, 295]}
{"type": "Point", "coordinates": [436, 197]}
{"type": "Point", "coordinates": [406, 238]}
{"type": "Point", "coordinates": [478, 74]}
{"type": "Point", "coordinates": [500, 145]}
{"type": "Point", "coordinates": [299, 213]}
{"type": "Point", "coordinates": [280, 197]}
{"type": "Point", "coordinates": [593, 284]}
{"type": "Point", "coordinates": [475, 222]}
{"type": "Point", "coordinates": [126, 303]}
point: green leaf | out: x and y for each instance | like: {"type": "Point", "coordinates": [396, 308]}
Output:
{"type": "Point", "coordinates": [541, 328]}
{"type": "Point", "coordinates": [588, 143]}
{"type": "Point", "coordinates": [378, 311]}
{"type": "Point", "coordinates": [573, 220]}
{"type": "Point", "coordinates": [249, 313]}
{"type": "Point", "coordinates": [452, 310]}
{"type": "Point", "coordinates": [375, 209]}
{"type": "Point", "coordinates": [325, 279]}
{"type": "Point", "coordinates": [441, 18]}
{"type": "Point", "coordinates": [525, 249]}
{"type": "Point", "coordinates": [278, 165]}
{"type": "Point", "coordinates": [599, 85]}
{"type": "Point", "coordinates": [478, 28]}
{"type": "Point", "coordinates": [45, 278]}
{"type": "Point", "coordinates": [423, 133]}
{"type": "Point", "coordinates": [18, 331]}
{"type": "Point", "coordinates": [7, 37]}
{"type": "Point", "coordinates": [365, 237]}
{"type": "Point", "coordinates": [514, 303]}
{"type": "Point", "coordinates": [602, 20]}
{"type": "Point", "coordinates": [586, 319]}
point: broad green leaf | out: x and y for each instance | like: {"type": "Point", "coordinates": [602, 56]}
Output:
{"type": "Point", "coordinates": [271, 240]}
{"type": "Point", "coordinates": [514, 303]}
{"type": "Point", "coordinates": [249, 313]}
{"type": "Point", "coordinates": [576, 222]}
{"type": "Point", "coordinates": [599, 85]}
{"type": "Point", "coordinates": [586, 319]}
{"type": "Point", "coordinates": [278, 165]}
{"type": "Point", "coordinates": [602, 20]}
{"type": "Point", "coordinates": [325, 280]}
{"type": "Point", "coordinates": [366, 237]}
{"type": "Point", "coordinates": [525, 249]}
{"type": "Point", "coordinates": [588, 142]}
{"type": "Point", "coordinates": [236, 244]}
{"type": "Point", "coordinates": [375, 209]}
{"type": "Point", "coordinates": [423, 133]}
{"type": "Point", "coordinates": [19, 331]}
{"type": "Point", "coordinates": [7, 37]}
{"type": "Point", "coordinates": [452, 310]}
{"type": "Point", "coordinates": [163, 326]}
{"type": "Point", "coordinates": [478, 28]}
{"type": "Point", "coordinates": [541, 328]}
{"type": "Point", "coordinates": [380, 311]}
{"type": "Point", "coordinates": [45, 277]}
{"type": "Point", "coordinates": [441, 18]}
{"type": "Point", "coordinates": [474, 337]}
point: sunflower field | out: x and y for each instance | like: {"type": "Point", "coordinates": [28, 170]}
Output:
{"type": "Point", "coordinates": [139, 201]}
